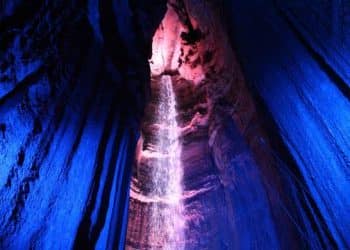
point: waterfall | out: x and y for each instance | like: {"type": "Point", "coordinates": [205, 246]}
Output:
{"type": "Point", "coordinates": [166, 215]}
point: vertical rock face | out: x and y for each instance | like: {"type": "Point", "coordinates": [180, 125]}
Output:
{"type": "Point", "coordinates": [227, 198]}
{"type": "Point", "coordinates": [300, 70]}
{"type": "Point", "coordinates": [73, 83]}
{"type": "Point", "coordinates": [325, 29]}
{"type": "Point", "coordinates": [75, 80]}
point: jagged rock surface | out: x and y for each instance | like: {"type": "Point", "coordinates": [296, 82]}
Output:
{"type": "Point", "coordinates": [227, 202]}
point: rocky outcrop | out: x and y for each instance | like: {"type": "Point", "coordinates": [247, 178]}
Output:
{"type": "Point", "coordinates": [230, 181]}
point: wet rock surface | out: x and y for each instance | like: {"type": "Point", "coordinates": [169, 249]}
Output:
{"type": "Point", "coordinates": [226, 203]}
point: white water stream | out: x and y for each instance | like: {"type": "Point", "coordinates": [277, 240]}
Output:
{"type": "Point", "coordinates": [166, 215]}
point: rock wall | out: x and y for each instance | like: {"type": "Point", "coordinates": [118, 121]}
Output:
{"type": "Point", "coordinates": [73, 82]}
{"type": "Point", "coordinates": [265, 155]}
{"type": "Point", "coordinates": [308, 101]}
{"type": "Point", "coordinates": [324, 27]}
{"type": "Point", "coordinates": [232, 188]}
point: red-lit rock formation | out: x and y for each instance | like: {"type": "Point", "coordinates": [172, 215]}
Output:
{"type": "Point", "coordinates": [227, 204]}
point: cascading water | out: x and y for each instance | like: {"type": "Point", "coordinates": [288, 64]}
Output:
{"type": "Point", "coordinates": [166, 215]}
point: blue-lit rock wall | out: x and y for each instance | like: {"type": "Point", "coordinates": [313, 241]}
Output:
{"type": "Point", "coordinates": [73, 83]}
{"type": "Point", "coordinates": [325, 27]}
{"type": "Point", "coordinates": [301, 83]}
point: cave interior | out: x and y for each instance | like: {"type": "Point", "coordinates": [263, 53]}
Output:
{"type": "Point", "coordinates": [175, 124]}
